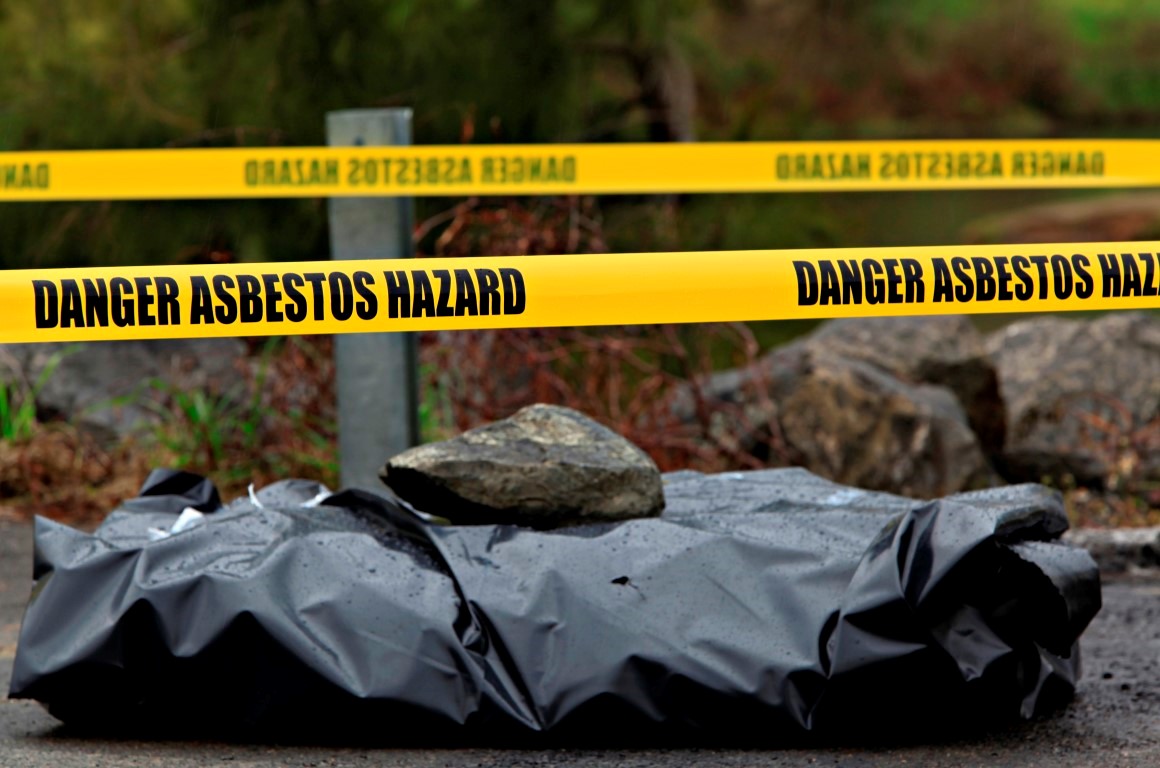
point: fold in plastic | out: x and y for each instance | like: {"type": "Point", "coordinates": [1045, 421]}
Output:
{"type": "Point", "coordinates": [760, 606]}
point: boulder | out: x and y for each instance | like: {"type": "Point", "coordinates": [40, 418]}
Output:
{"type": "Point", "coordinates": [106, 386]}
{"type": "Point", "coordinates": [854, 423]}
{"type": "Point", "coordinates": [944, 350]}
{"type": "Point", "coordinates": [851, 422]}
{"type": "Point", "coordinates": [544, 467]}
{"type": "Point", "coordinates": [1082, 398]}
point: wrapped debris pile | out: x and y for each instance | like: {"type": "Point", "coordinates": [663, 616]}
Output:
{"type": "Point", "coordinates": [759, 606]}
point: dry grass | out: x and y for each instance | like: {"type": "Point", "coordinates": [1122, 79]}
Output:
{"type": "Point", "coordinates": [1128, 447]}
{"type": "Point", "coordinates": [67, 474]}
{"type": "Point", "coordinates": [277, 423]}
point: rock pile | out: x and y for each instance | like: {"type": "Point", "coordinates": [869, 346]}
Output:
{"type": "Point", "coordinates": [908, 405]}
{"type": "Point", "coordinates": [927, 406]}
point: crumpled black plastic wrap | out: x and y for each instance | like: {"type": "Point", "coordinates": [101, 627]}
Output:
{"type": "Point", "coordinates": [760, 607]}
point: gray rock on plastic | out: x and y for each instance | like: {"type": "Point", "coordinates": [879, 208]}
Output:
{"type": "Point", "coordinates": [544, 467]}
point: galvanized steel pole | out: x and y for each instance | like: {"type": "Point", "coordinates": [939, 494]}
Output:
{"type": "Point", "coordinates": [377, 373]}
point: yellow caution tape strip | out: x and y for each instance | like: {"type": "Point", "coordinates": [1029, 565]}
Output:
{"type": "Point", "coordinates": [578, 169]}
{"type": "Point", "coordinates": [545, 291]}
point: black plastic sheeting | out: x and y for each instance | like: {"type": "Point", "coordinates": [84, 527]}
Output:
{"type": "Point", "coordinates": [761, 606]}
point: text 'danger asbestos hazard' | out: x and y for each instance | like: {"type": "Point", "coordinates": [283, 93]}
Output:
{"type": "Point", "coordinates": [573, 290]}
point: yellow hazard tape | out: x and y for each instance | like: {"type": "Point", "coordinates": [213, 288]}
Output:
{"type": "Point", "coordinates": [578, 169]}
{"type": "Point", "coordinates": [545, 291]}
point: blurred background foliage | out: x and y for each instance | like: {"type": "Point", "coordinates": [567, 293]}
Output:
{"type": "Point", "coordinates": [107, 74]}
{"type": "Point", "coordinates": [88, 74]}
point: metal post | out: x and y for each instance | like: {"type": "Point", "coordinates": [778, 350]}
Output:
{"type": "Point", "coordinates": [377, 373]}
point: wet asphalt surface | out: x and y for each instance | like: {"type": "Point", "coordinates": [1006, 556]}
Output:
{"type": "Point", "coordinates": [1114, 721]}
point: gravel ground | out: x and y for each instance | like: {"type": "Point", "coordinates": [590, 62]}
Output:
{"type": "Point", "coordinates": [1115, 720]}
